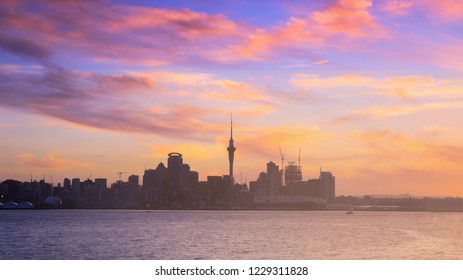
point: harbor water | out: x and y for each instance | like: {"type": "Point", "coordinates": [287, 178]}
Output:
{"type": "Point", "coordinates": [308, 235]}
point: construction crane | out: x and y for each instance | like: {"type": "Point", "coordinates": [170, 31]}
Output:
{"type": "Point", "coordinates": [282, 167]}
{"type": "Point", "coordinates": [120, 174]}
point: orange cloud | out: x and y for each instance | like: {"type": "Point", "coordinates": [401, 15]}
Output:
{"type": "Point", "coordinates": [382, 112]}
{"type": "Point", "coordinates": [234, 91]}
{"type": "Point", "coordinates": [208, 87]}
{"type": "Point", "coordinates": [404, 151]}
{"type": "Point", "coordinates": [195, 152]}
{"type": "Point", "coordinates": [323, 61]}
{"type": "Point", "coordinates": [407, 88]}
{"type": "Point", "coordinates": [433, 130]}
{"type": "Point", "coordinates": [50, 161]}
{"type": "Point", "coordinates": [264, 142]}
{"type": "Point", "coordinates": [309, 81]}
{"type": "Point", "coordinates": [305, 80]}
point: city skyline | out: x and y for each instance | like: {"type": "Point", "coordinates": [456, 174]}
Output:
{"type": "Point", "coordinates": [369, 90]}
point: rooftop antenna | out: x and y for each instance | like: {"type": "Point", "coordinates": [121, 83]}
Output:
{"type": "Point", "coordinates": [231, 125]}
{"type": "Point", "coordinates": [282, 167]}
{"type": "Point", "coordinates": [120, 174]}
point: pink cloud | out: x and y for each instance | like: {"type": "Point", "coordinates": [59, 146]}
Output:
{"type": "Point", "coordinates": [399, 8]}
{"type": "Point", "coordinates": [343, 21]}
{"type": "Point", "coordinates": [96, 100]}
{"type": "Point", "coordinates": [106, 31]}
{"type": "Point", "coordinates": [351, 18]}
{"type": "Point", "coordinates": [446, 10]}
{"type": "Point", "coordinates": [320, 62]}
{"type": "Point", "coordinates": [137, 103]}
{"type": "Point", "coordinates": [138, 35]}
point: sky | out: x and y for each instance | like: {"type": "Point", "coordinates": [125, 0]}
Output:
{"type": "Point", "coordinates": [369, 90]}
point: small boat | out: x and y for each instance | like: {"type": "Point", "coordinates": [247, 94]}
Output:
{"type": "Point", "coordinates": [350, 211]}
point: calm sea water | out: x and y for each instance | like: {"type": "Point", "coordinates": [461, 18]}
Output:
{"type": "Point", "coordinates": [139, 234]}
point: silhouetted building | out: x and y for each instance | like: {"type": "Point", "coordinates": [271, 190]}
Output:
{"type": "Point", "coordinates": [219, 187]}
{"type": "Point", "coordinates": [76, 185]}
{"type": "Point", "coordinates": [194, 179]}
{"type": "Point", "coordinates": [149, 178]}
{"type": "Point", "coordinates": [269, 182]}
{"type": "Point", "coordinates": [101, 183]}
{"type": "Point", "coordinates": [169, 187]}
{"type": "Point", "coordinates": [327, 186]}
{"type": "Point", "coordinates": [293, 174]}
{"type": "Point", "coordinates": [185, 177]}
{"type": "Point", "coordinates": [175, 171]}
{"type": "Point", "coordinates": [67, 183]}
{"type": "Point", "coordinates": [133, 181]}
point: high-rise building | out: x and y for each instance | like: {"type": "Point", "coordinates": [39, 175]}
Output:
{"type": "Point", "coordinates": [293, 174]}
{"type": "Point", "coordinates": [327, 186]}
{"type": "Point", "coordinates": [133, 181]}
{"type": "Point", "coordinates": [101, 183]}
{"type": "Point", "coordinates": [67, 183]}
{"type": "Point", "coordinates": [194, 179]}
{"type": "Point", "coordinates": [76, 185]}
{"type": "Point", "coordinates": [175, 171]}
{"type": "Point", "coordinates": [273, 174]}
{"type": "Point", "coordinates": [185, 177]}
{"type": "Point", "coordinates": [231, 154]}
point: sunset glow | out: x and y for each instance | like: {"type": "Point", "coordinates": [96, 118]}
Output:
{"type": "Point", "coordinates": [370, 90]}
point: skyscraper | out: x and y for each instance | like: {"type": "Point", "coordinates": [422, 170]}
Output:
{"type": "Point", "coordinates": [175, 171]}
{"type": "Point", "coordinates": [327, 186]}
{"type": "Point", "coordinates": [231, 153]}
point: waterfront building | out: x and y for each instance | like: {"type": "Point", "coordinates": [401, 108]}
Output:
{"type": "Point", "coordinates": [101, 183]}
{"type": "Point", "coordinates": [293, 174]}
{"type": "Point", "coordinates": [76, 185]}
{"type": "Point", "coordinates": [175, 171]}
{"type": "Point", "coordinates": [133, 181]}
{"type": "Point", "coordinates": [171, 186]}
{"type": "Point", "coordinates": [67, 183]}
{"type": "Point", "coordinates": [327, 186]}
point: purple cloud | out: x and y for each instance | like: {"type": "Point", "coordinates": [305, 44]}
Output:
{"type": "Point", "coordinates": [100, 101]}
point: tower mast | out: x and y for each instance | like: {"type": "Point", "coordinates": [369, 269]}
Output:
{"type": "Point", "coordinates": [231, 152]}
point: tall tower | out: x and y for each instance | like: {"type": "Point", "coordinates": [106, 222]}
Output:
{"type": "Point", "coordinates": [231, 152]}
